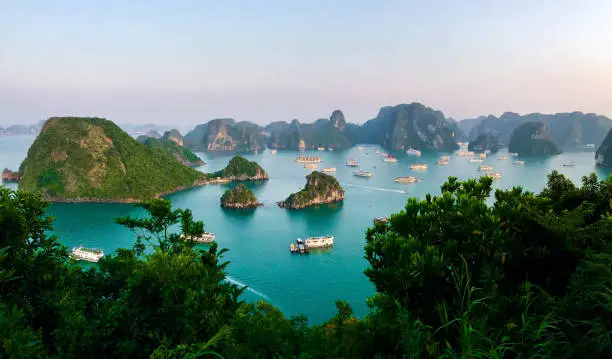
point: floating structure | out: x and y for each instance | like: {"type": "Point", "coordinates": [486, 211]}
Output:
{"type": "Point", "coordinates": [476, 160]}
{"type": "Point", "coordinates": [86, 254]}
{"type": "Point", "coordinates": [360, 173]}
{"type": "Point", "coordinates": [10, 176]}
{"type": "Point", "coordinates": [482, 155]}
{"type": "Point", "coordinates": [311, 165]}
{"type": "Point", "coordinates": [589, 145]}
{"type": "Point", "coordinates": [352, 163]}
{"type": "Point", "coordinates": [442, 162]}
{"type": "Point", "coordinates": [298, 247]}
{"type": "Point", "coordinates": [495, 175]}
{"type": "Point", "coordinates": [320, 148]}
{"type": "Point", "coordinates": [307, 159]}
{"type": "Point", "coordinates": [569, 164]}
{"type": "Point", "coordinates": [444, 158]}
{"type": "Point", "coordinates": [413, 152]}
{"type": "Point", "coordinates": [419, 167]}
{"type": "Point", "coordinates": [518, 163]}
{"type": "Point", "coordinates": [409, 179]}
{"type": "Point", "coordinates": [329, 170]}
{"type": "Point", "coordinates": [513, 154]}
{"type": "Point", "coordinates": [485, 168]}
{"type": "Point", "coordinates": [381, 220]}
{"type": "Point", "coordinates": [301, 246]}
{"type": "Point", "coordinates": [390, 159]}
{"type": "Point", "coordinates": [464, 153]}
{"type": "Point", "coordinates": [330, 149]}
{"type": "Point", "coordinates": [502, 158]}
{"type": "Point", "coordinates": [206, 237]}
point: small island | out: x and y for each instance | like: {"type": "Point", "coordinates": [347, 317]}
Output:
{"type": "Point", "coordinates": [485, 142]}
{"type": "Point", "coordinates": [532, 139]}
{"type": "Point", "coordinates": [320, 189]}
{"type": "Point", "coordinates": [240, 169]}
{"type": "Point", "coordinates": [603, 156]}
{"type": "Point", "coordinates": [239, 197]}
{"type": "Point", "coordinates": [10, 176]}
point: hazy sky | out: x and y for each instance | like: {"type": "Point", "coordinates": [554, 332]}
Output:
{"type": "Point", "coordinates": [185, 62]}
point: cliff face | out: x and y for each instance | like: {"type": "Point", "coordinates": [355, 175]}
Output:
{"type": "Point", "coordinates": [226, 135]}
{"type": "Point", "coordinates": [320, 188]}
{"type": "Point", "coordinates": [239, 197]}
{"type": "Point", "coordinates": [603, 156]}
{"type": "Point", "coordinates": [328, 133]}
{"type": "Point", "coordinates": [174, 136]}
{"type": "Point", "coordinates": [485, 142]}
{"type": "Point", "coordinates": [532, 139]}
{"type": "Point", "coordinates": [241, 169]}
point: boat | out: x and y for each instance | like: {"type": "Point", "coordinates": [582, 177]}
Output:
{"type": "Point", "coordinates": [413, 152]}
{"type": "Point", "coordinates": [360, 148]}
{"type": "Point", "coordinates": [330, 149]}
{"type": "Point", "coordinates": [329, 170]}
{"type": "Point", "coordinates": [360, 173]}
{"type": "Point", "coordinates": [495, 175]}
{"type": "Point", "coordinates": [476, 160]}
{"type": "Point", "coordinates": [320, 148]}
{"type": "Point", "coordinates": [273, 150]}
{"type": "Point", "coordinates": [513, 154]}
{"type": "Point", "coordinates": [311, 165]}
{"type": "Point", "coordinates": [569, 164]}
{"type": "Point", "coordinates": [409, 179]}
{"type": "Point", "coordinates": [206, 237]}
{"type": "Point", "coordinates": [444, 158]}
{"type": "Point", "coordinates": [442, 162]}
{"type": "Point", "coordinates": [485, 168]}
{"type": "Point", "coordinates": [589, 145]}
{"type": "Point", "coordinates": [464, 153]}
{"type": "Point", "coordinates": [482, 155]}
{"type": "Point", "coordinates": [377, 152]}
{"type": "Point", "coordinates": [390, 159]}
{"type": "Point", "coordinates": [502, 158]}
{"type": "Point", "coordinates": [381, 220]}
{"type": "Point", "coordinates": [518, 162]}
{"type": "Point", "coordinates": [86, 254]}
{"type": "Point", "coordinates": [298, 247]}
{"type": "Point", "coordinates": [319, 242]}
{"type": "Point", "coordinates": [307, 159]}
{"type": "Point", "coordinates": [352, 163]}
{"type": "Point", "coordinates": [422, 166]}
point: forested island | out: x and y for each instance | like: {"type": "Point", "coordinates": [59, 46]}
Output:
{"type": "Point", "coordinates": [239, 197]}
{"type": "Point", "coordinates": [320, 188]}
{"type": "Point", "coordinates": [532, 139]}
{"type": "Point", "coordinates": [456, 275]}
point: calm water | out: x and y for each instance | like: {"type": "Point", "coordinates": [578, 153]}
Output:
{"type": "Point", "coordinates": [258, 240]}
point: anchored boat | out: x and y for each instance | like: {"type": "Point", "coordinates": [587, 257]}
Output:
{"type": "Point", "coordinates": [206, 237]}
{"type": "Point", "coordinates": [409, 179]}
{"type": "Point", "coordinates": [307, 159]}
{"type": "Point", "coordinates": [304, 246]}
{"type": "Point", "coordinates": [360, 173]}
{"type": "Point", "coordinates": [86, 254]}
{"type": "Point", "coordinates": [329, 170]}
{"type": "Point", "coordinates": [413, 152]}
{"type": "Point", "coordinates": [485, 168]}
{"type": "Point", "coordinates": [390, 159]}
{"type": "Point", "coordinates": [442, 162]}
{"type": "Point", "coordinates": [311, 165]}
{"type": "Point", "coordinates": [495, 175]}
{"type": "Point", "coordinates": [476, 160]}
{"type": "Point", "coordinates": [503, 158]}
{"type": "Point", "coordinates": [419, 167]}
{"type": "Point", "coordinates": [352, 163]}
{"type": "Point", "coordinates": [518, 163]}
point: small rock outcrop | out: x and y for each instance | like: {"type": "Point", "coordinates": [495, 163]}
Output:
{"type": "Point", "coordinates": [320, 189]}
{"type": "Point", "coordinates": [603, 156]}
{"type": "Point", "coordinates": [532, 139]}
{"type": "Point", "coordinates": [174, 136]}
{"type": "Point", "coordinates": [239, 197]}
{"type": "Point", "coordinates": [241, 169]}
{"type": "Point", "coordinates": [484, 142]}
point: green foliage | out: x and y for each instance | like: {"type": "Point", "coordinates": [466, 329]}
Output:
{"type": "Point", "coordinates": [240, 195]}
{"type": "Point", "coordinates": [92, 158]}
{"type": "Point", "coordinates": [531, 139]}
{"type": "Point", "coordinates": [317, 185]}
{"type": "Point", "coordinates": [241, 169]}
{"type": "Point", "coordinates": [181, 154]}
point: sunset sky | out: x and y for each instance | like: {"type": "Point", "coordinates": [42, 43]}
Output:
{"type": "Point", "coordinates": [186, 62]}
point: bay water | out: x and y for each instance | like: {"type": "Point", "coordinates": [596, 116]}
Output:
{"type": "Point", "coordinates": [258, 240]}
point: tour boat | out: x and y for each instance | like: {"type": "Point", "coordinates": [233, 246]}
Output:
{"type": "Point", "coordinates": [444, 158]}
{"type": "Point", "coordinates": [442, 162]}
{"type": "Point", "coordinates": [330, 149]}
{"type": "Point", "coordinates": [319, 242]}
{"type": "Point", "coordinates": [495, 175]}
{"type": "Point", "coordinates": [390, 159]}
{"type": "Point", "coordinates": [206, 237]}
{"type": "Point", "coordinates": [86, 254]}
{"type": "Point", "coordinates": [320, 148]}
{"type": "Point", "coordinates": [569, 164]}
{"type": "Point", "coordinates": [518, 162]}
{"type": "Point", "coordinates": [273, 150]}
{"type": "Point", "coordinates": [589, 145]}
{"type": "Point", "coordinates": [413, 152]}
{"type": "Point", "coordinates": [503, 158]}
{"type": "Point", "coordinates": [464, 153]}
{"type": "Point", "coordinates": [422, 166]}
{"type": "Point", "coordinates": [306, 159]}
{"type": "Point", "coordinates": [298, 247]}
{"type": "Point", "coordinates": [409, 179]}
{"type": "Point", "coordinates": [476, 160]}
{"type": "Point", "coordinates": [485, 168]}
{"type": "Point", "coordinates": [482, 155]}
{"type": "Point", "coordinates": [329, 169]}
{"type": "Point", "coordinates": [352, 163]}
{"type": "Point", "coordinates": [311, 165]}
{"type": "Point", "coordinates": [514, 154]}
{"type": "Point", "coordinates": [360, 173]}
{"type": "Point", "coordinates": [381, 220]}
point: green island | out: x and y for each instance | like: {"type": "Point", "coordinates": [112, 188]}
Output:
{"type": "Point", "coordinates": [78, 159]}
{"type": "Point", "coordinates": [320, 189]}
{"type": "Point", "coordinates": [180, 153]}
{"type": "Point", "coordinates": [239, 197]}
{"type": "Point", "coordinates": [532, 139]}
{"type": "Point", "coordinates": [457, 275]}
{"type": "Point", "coordinates": [485, 142]}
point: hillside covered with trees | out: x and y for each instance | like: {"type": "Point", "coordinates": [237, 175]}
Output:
{"type": "Point", "coordinates": [458, 275]}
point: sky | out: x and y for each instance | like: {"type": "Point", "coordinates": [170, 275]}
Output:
{"type": "Point", "coordinates": [186, 62]}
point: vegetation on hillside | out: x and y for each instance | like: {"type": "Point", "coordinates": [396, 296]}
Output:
{"type": "Point", "coordinates": [180, 153]}
{"type": "Point", "coordinates": [239, 197]}
{"type": "Point", "coordinates": [241, 168]}
{"type": "Point", "coordinates": [457, 276]}
{"type": "Point", "coordinates": [74, 158]}
{"type": "Point", "coordinates": [485, 142]}
{"type": "Point", "coordinates": [318, 186]}
{"type": "Point", "coordinates": [532, 139]}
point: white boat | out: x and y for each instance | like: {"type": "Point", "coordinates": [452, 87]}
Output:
{"type": "Point", "coordinates": [273, 150]}
{"type": "Point", "coordinates": [422, 166]}
{"type": "Point", "coordinates": [86, 254]}
{"type": "Point", "coordinates": [413, 152]}
{"type": "Point", "coordinates": [311, 166]}
{"type": "Point", "coordinates": [589, 145]}
{"type": "Point", "coordinates": [485, 168]}
{"type": "Point", "coordinates": [444, 158]}
{"type": "Point", "coordinates": [409, 179]}
{"type": "Point", "coordinates": [360, 173]}
{"type": "Point", "coordinates": [513, 154]}
{"type": "Point", "coordinates": [463, 153]}
{"type": "Point", "coordinates": [306, 159]}
{"type": "Point", "coordinates": [569, 164]}
{"type": "Point", "coordinates": [320, 148]}
{"type": "Point", "coordinates": [503, 158]}
{"type": "Point", "coordinates": [206, 237]}
{"type": "Point", "coordinates": [476, 160]}
{"type": "Point", "coordinates": [360, 148]}
{"type": "Point", "coordinates": [390, 159]}
{"type": "Point", "coordinates": [518, 162]}
{"type": "Point", "coordinates": [442, 162]}
{"type": "Point", "coordinates": [495, 175]}
{"type": "Point", "coordinates": [330, 149]}
{"type": "Point", "coordinates": [329, 170]}
{"type": "Point", "coordinates": [352, 163]}
{"type": "Point", "coordinates": [319, 242]}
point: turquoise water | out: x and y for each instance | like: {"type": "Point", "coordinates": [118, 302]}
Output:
{"type": "Point", "coordinates": [258, 240]}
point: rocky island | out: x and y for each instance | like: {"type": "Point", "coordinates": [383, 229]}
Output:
{"type": "Point", "coordinates": [225, 134]}
{"type": "Point", "coordinates": [532, 139]}
{"type": "Point", "coordinates": [485, 142]}
{"type": "Point", "coordinates": [10, 176]}
{"type": "Point", "coordinates": [240, 169]}
{"type": "Point", "coordinates": [603, 156]}
{"type": "Point", "coordinates": [239, 197]}
{"type": "Point", "coordinates": [320, 189]}
{"type": "Point", "coordinates": [172, 143]}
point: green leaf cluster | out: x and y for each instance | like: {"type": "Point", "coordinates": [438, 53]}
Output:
{"type": "Point", "coordinates": [240, 194]}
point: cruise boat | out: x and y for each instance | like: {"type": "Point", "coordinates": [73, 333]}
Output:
{"type": "Point", "coordinates": [442, 162]}
{"type": "Point", "coordinates": [413, 152]}
{"type": "Point", "coordinates": [298, 247]}
{"type": "Point", "coordinates": [589, 145]}
{"type": "Point", "coordinates": [320, 148]}
{"type": "Point", "coordinates": [464, 153]}
{"type": "Point", "coordinates": [569, 164]}
{"type": "Point", "coordinates": [307, 159]}
{"type": "Point", "coordinates": [360, 173]}
{"type": "Point", "coordinates": [319, 242]}
{"type": "Point", "coordinates": [503, 158]}
{"type": "Point", "coordinates": [495, 175]}
{"type": "Point", "coordinates": [311, 166]}
{"type": "Point", "coordinates": [206, 237]}
{"type": "Point", "coordinates": [482, 155]}
{"type": "Point", "coordinates": [273, 150]}
{"type": "Point", "coordinates": [422, 166]}
{"type": "Point", "coordinates": [444, 158]}
{"type": "Point", "coordinates": [86, 254]}
{"type": "Point", "coordinates": [409, 179]}
{"type": "Point", "coordinates": [476, 160]}
{"type": "Point", "coordinates": [513, 154]}
{"type": "Point", "coordinates": [485, 168]}
{"type": "Point", "coordinates": [329, 170]}
{"type": "Point", "coordinates": [390, 159]}
{"type": "Point", "coordinates": [518, 162]}
{"type": "Point", "coordinates": [352, 163]}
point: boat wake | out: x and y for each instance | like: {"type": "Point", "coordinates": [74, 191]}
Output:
{"type": "Point", "coordinates": [375, 188]}
{"type": "Point", "coordinates": [242, 285]}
